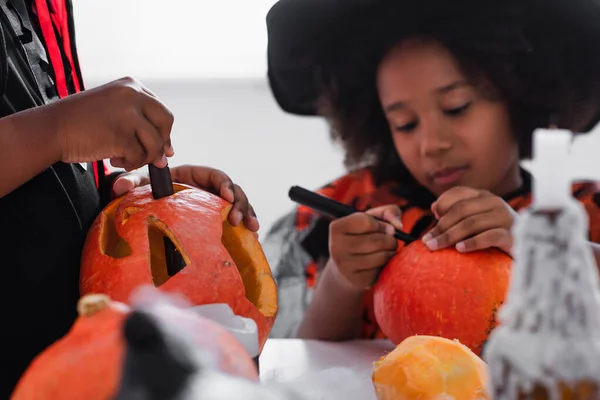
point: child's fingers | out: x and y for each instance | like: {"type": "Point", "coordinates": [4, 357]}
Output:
{"type": "Point", "coordinates": [461, 210]}
{"type": "Point", "coordinates": [242, 210]}
{"type": "Point", "coordinates": [210, 179]}
{"type": "Point", "coordinates": [214, 180]}
{"type": "Point", "coordinates": [251, 220]}
{"type": "Point", "coordinates": [127, 182]}
{"type": "Point", "coordinates": [363, 270]}
{"type": "Point", "coordinates": [374, 261]}
{"type": "Point", "coordinates": [452, 196]}
{"type": "Point", "coordinates": [117, 162]}
{"type": "Point", "coordinates": [359, 224]}
{"type": "Point", "coordinates": [361, 279]}
{"type": "Point", "coordinates": [498, 237]}
{"type": "Point", "coordinates": [355, 245]}
{"type": "Point", "coordinates": [160, 116]}
{"type": "Point", "coordinates": [466, 228]}
{"type": "Point", "coordinates": [390, 213]}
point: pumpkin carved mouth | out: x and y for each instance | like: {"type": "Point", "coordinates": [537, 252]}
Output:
{"type": "Point", "coordinates": [223, 263]}
{"type": "Point", "coordinates": [248, 257]}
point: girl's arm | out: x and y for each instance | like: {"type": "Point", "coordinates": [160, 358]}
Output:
{"type": "Point", "coordinates": [335, 311]}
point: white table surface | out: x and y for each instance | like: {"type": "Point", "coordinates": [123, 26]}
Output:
{"type": "Point", "coordinates": [325, 370]}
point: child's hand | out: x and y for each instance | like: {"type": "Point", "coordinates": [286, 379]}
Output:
{"type": "Point", "coordinates": [471, 219]}
{"type": "Point", "coordinates": [210, 179]}
{"type": "Point", "coordinates": [122, 121]}
{"type": "Point", "coordinates": [360, 245]}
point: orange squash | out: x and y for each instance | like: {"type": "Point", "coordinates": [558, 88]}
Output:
{"type": "Point", "coordinates": [430, 367]}
{"type": "Point", "coordinates": [223, 264]}
{"type": "Point", "coordinates": [441, 293]}
{"type": "Point", "coordinates": [87, 362]}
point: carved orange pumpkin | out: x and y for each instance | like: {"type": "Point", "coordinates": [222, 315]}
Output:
{"type": "Point", "coordinates": [87, 362]}
{"type": "Point", "coordinates": [223, 264]}
{"type": "Point", "coordinates": [441, 293]}
{"type": "Point", "coordinates": [430, 367]}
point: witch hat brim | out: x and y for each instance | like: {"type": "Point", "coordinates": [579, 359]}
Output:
{"type": "Point", "coordinates": [298, 30]}
{"type": "Point", "coordinates": [293, 29]}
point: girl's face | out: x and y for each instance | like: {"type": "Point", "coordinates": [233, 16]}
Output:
{"type": "Point", "coordinates": [445, 132]}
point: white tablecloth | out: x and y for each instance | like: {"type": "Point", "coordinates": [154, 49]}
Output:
{"type": "Point", "coordinates": [327, 370]}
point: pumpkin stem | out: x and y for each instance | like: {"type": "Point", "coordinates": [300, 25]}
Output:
{"type": "Point", "coordinates": [91, 304]}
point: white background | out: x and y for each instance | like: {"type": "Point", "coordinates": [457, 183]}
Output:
{"type": "Point", "coordinates": [172, 39]}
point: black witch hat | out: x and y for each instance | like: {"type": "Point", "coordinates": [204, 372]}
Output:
{"type": "Point", "coordinates": [547, 39]}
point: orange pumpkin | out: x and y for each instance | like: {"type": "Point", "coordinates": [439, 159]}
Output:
{"type": "Point", "coordinates": [223, 264]}
{"type": "Point", "coordinates": [430, 367]}
{"type": "Point", "coordinates": [441, 293]}
{"type": "Point", "coordinates": [87, 362]}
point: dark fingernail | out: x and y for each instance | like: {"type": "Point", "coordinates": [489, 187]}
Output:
{"type": "Point", "coordinates": [253, 213]}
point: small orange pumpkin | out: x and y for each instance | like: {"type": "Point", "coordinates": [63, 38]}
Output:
{"type": "Point", "coordinates": [124, 249]}
{"type": "Point", "coordinates": [441, 293]}
{"type": "Point", "coordinates": [87, 362]}
{"type": "Point", "coordinates": [430, 367]}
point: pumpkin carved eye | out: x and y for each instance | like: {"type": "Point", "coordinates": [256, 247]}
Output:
{"type": "Point", "coordinates": [235, 241]}
{"type": "Point", "coordinates": [125, 248]}
{"type": "Point", "coordinates": [111, 244]}
{"type": "Point", "coordinates": [159, 236]}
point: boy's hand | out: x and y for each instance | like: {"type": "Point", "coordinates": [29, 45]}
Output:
{"type": "Point", "coordinates": [209, 179]}
{"type": "Point", "coordinates": [471, 219]}
{"type": "Point", "coordinates": [122, 121]}
{"type": "Point", "coordinates": [360, 245]}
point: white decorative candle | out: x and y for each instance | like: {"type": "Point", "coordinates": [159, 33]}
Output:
{"type": "Point", "coordinates": [547, 345]}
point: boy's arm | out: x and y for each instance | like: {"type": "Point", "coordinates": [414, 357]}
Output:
{"type": "Point", "coordinates": [120, 120]}
{"type": "Point", "coordinates": [28, 145]}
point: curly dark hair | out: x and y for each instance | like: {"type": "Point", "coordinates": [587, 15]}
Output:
{"type": "Point", "coordinates": [512, 53]}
